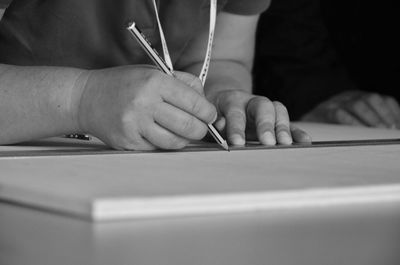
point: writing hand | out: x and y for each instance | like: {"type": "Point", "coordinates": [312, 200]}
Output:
{"type": "Point", "coordinates": [140, 108]}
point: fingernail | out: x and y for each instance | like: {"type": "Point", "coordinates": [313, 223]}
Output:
{"type": "Point", "coordinates": [220, 124]}
{"type": "Point", "coordinates": [237, 139]}
{"type": "Point", "coordinates": [268, 138]}
{"type": "Point", "coordinates": [284, 138]}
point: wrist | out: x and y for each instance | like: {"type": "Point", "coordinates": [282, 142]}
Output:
{"type": "Point", "coordinates": [77, 106]}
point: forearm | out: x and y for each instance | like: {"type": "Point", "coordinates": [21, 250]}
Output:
{"type": "Point", "coordinates": [224, 75]}
{"type": "Point", "coordinates": [37, 102]}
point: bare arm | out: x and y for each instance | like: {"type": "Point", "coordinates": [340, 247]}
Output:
{"type": "Point", "coordinates": [233, 45]}
{"type": "Point", "coordinates": [129, 107]}
{"type": "Point", "coordinates": [37, 102]}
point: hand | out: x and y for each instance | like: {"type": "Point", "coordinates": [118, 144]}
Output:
{"type": "Point", "coordinates": [358, 108]}
{"type": "Point", "coordinates": [246, 116]}
{"type": "Point", "coordinates": [140, 108]}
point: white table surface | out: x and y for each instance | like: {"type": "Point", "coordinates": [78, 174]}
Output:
{"type": "Point", "coordinates": [365, 233]}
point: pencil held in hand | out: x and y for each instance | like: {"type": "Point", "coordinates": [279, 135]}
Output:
{"type": "Point", "coordinates": [153, 54]}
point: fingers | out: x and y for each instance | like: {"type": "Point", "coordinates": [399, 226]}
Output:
{"type": "Point", "coordinates": [220, 123]}
{"type": "Point", "coordinates": [282, 127]}
{"type": "Point", "coordinates": [358, 108]}
{"type": "Point", "coordinates": [125, 102]}
{"type": "Point", "coordinates": [375, 110]}
{"type": "Point", "coordinates": [236, 126]}
{"type": "Point", "coordinates": [363, 109]}
{"type": "Point", "coordinates": [331, 112]}
{"type": "Point", "coordinates": [130, 140]}
{"type": "Point", "coordinates": [394, 107]}
{"type": "Point", "coordinates": [190, 101]}
{"type": "Point", "coordinates": [377, 103]}
{"type": "Point", "coordinates": [179, 122]}
{"type": "Point", "coordinates": [299, 136]}
{"type": "Point", "coordinates": [270, 121]}
{"type": "Point", "coordinates": [262, 112]}
{"type": "Point", "coordinates": [141, 144]}
{"type": "Point", "coordinates": [342, 116]}
{"type": "Point", "coordinates": [162, 138]}
{"type": "Point", "coordinates": [167, 128]}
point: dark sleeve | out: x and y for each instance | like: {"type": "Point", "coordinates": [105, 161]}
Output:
{"type": "Point", "coordinates": [295, 62]}
{"type": "Point", "coordinates": [4, 3]}
{"type": "Point", "coordinates": [246, 7]}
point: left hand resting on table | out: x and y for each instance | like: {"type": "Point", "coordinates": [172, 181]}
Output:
{"type": "Point", "coordinates": [249, 117]}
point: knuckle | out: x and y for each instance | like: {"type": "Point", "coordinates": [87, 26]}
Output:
{"type": "Point", "coordinates": [281, 110]}
{"type": "Point", "coordinates": [358, 106]}
{"type": "Point", "coordinates": [195, 83]}
{"type": "Point", "coordinates": [190, 80]}
{"type": "Point", "coordinates": [329, 115]}
{"type": "Point", "coordinates": [197, 105]}
{"type": "Point", "coordinates": [139, 100]}
{"type": "Point", "coordinates": [281, 122]}
{"type": "Point", "coordinates": [143, 104]}
{"type": "Point", "coordinates": [259, 100]}
{"type": "Point", "coordinates": [279, 105]}
{"type": "Point", "coordinates": [152, 79]}
{"type": "Point", "coordinates": [149, 75]}
{"type": "Point", "coordinates": [236, 114]}
{"type": "Point", "coordinates": [188, 126]}
{"type": "Point", "coordinates": [157, 112]}
{"type": "Point", "coordinates": [344, 117]}
{"type": "Point", "coordinates": [259, 104]}
{"type": "Point", "coordinates": [282, 128]}
{"type": "Point", "coordinates": [198, 132]}
{"type": "Point", "coordinates": [374, 98]}
{"type": "Point", "coordinates": [235, 95]}
{"type": "Point", "coordinates": [337, 115]}
{"type": "Point", "coordinates": [282, 114]}
{"type": "Point", "coordinates": [265, 125]}
{"type": "Point", "coordinates": [266, 116]}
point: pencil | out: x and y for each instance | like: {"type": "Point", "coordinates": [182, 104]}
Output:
{"type": "Point", "coordinates": [156, 58]}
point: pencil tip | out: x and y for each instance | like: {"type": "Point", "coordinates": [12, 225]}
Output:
{"type": "Point", "coordinates": [225, 146]}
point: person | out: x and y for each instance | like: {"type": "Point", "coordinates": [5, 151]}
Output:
{"type": "Point", "coordinates": [72, 67]}
{"type": "Point", "coordinates": [331, 61]}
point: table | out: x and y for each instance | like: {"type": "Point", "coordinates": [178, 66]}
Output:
{"type": "Point", "coordinates": [359, 232]}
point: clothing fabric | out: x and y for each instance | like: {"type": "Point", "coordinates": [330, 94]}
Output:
{"type": "Point", "coordinates": [92, 33]}
{"type": "Point", "coordinates": [310, 50]}
{"type": "Point", "coordinates": [4, 3]}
